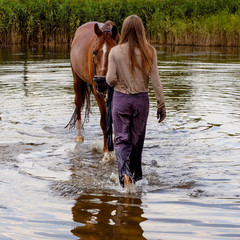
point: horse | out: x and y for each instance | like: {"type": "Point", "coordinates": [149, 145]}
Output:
{"type": "Point", "coordinates": [90, 48]}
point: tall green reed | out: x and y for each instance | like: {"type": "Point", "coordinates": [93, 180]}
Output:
{"type": "Point", "coordinates": [197, 22]}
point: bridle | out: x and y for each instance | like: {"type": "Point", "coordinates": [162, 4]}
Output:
{"type": "Point", "coordinates": [94, 53]}
{"type": "Point", "coordinates": [100, 81]}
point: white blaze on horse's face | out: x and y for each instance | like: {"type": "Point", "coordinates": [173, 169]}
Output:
{"type": "Point", "coordinates": [104, 57]}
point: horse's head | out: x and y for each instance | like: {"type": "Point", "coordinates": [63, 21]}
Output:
{"type": "Point", "coordinates": [106, 38]}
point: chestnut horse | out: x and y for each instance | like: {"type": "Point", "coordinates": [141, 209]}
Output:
{"type": "Point", "coordinates": [89, 61]}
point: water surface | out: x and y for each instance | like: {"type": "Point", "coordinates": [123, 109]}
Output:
{"type": "Point", "coordinates": [53, 188]}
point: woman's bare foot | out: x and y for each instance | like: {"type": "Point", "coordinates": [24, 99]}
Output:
{"type": "Point", "coordinates": [128, 185]}
{"type": "Point", "coordinates": [127, 181]}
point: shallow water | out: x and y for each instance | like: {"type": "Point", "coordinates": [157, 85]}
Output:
{"type": "Point", "coordinates": [52, 188]}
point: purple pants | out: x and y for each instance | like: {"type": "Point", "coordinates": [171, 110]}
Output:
{"type": "Point", "coordinates": [129, 113]}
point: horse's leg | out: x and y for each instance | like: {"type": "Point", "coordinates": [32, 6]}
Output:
{"type": "Point", "coordinates": [79, 137]}
{"type": "Point", "coordinates": [108, 156]}
{"type": "Point", "coordinates": [79, 101]}
{"type": "Point", "coordinates": [103, 120]}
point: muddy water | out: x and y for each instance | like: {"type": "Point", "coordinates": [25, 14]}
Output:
{"type": "Point", "coordinates": [52, 188]}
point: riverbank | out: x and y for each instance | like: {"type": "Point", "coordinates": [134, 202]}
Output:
{"type": "Point", "coordinates": [177, 22]}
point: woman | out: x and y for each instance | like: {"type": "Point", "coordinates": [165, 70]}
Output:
{"type": "Point", "coordinates": [130, 65]}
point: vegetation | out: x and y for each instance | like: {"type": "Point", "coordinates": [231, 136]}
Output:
{"type": "Point", "coordinates": [191, 22]}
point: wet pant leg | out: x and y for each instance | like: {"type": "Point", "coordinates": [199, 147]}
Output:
{"type": "Point", "coordinates": [121, 114]}
{"type": "Point", "coordinates": [130, 114]}
{"type": "Point", "coordinates": [138, 130]}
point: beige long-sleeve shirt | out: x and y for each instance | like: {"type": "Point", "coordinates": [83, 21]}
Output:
{"type": "Point", "coordinates": [120, 77]}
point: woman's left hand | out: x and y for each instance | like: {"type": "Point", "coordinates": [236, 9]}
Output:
{"type": "Point", "coordinates": [161, 113]}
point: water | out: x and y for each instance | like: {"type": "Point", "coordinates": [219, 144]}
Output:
{"type": "Point", "coordinates": [52, 188]}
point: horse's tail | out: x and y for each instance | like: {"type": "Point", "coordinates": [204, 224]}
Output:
{"type": "Point", "coordinates": [73, 120]}
{"type": "Point", "coordinates": [82, 97]}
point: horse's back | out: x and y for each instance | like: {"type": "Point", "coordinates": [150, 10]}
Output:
{"type": "Point", "coordinates": [81, 49]}
{"type": "Point", "coordinates": [87, 27]}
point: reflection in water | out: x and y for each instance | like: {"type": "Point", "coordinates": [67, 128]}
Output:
{"type": "Point", "coordinates": [18, 53]}
{"type": "Point", "coordinates": [108, 217]}
{"type": "Point", "coordinates": [25, 78]}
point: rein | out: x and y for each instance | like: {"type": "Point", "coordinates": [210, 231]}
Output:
{"type": "Point", "coordinates": [102, 87]}
{"type": "Point", "coordinates": [94, 66]}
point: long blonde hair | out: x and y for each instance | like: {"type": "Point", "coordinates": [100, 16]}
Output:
{"type": "Point", "coordinates": [133, 33]}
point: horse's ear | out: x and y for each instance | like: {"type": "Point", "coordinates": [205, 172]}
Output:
{"type": "Point", "coordinates": [114, 31]}
{"type": "Point", "coordinates": [97, 30]}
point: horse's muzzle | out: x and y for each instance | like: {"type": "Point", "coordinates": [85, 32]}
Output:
{"type": "Point", "coordinates": [101, 84]}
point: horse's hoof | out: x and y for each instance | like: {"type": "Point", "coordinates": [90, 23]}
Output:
{"type": "Point", "coordinates": [113, 178]}
{"type": "Point", "coordinates": [79, 139]}
{"type": "Point", "coordinates": [108, 157]}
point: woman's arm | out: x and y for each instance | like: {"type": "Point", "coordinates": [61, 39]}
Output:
{"type": "Point", "coordinates": [158, 89]}
{"type": "Point", "coordinates": [156, 82]}
{"type": "Point", "coordinates": [111, 77]}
